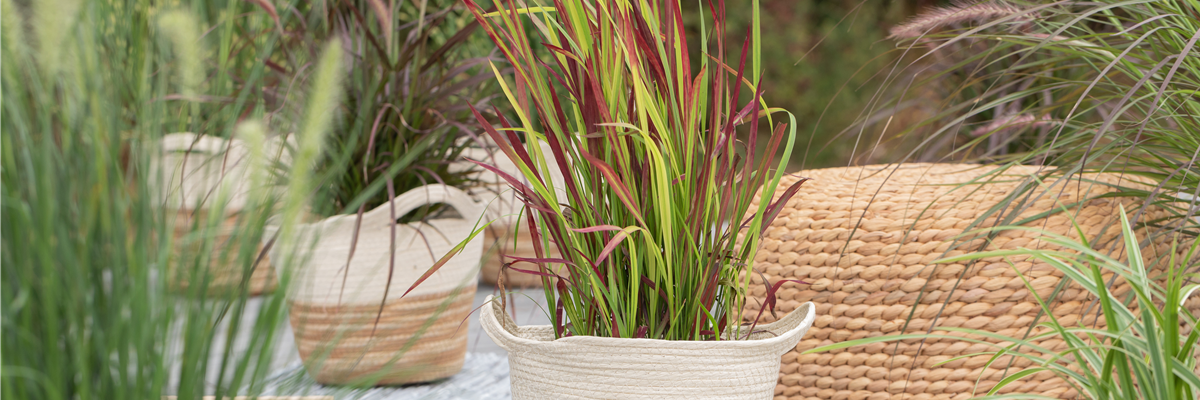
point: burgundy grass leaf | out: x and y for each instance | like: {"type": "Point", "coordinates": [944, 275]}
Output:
{"type": "Point", "coordinates": [391, 189]}
{"type": "Point", "coordinates": [500, 140]}
{"type": "Point", "coordinates": [775, 208]}
{"type": "Point", "coordinates": [559, 327]}
{"type": "Point", "coordinates": [650, 283]}
{"type": "Point", "coordinates": [611, 245]}
{"type": "Point", "coordinates": [560, 153]}
{"type": "Point", "coordinates": [458, 248]}
{"type": "Point", "coordinates": [772, 147]}
{"type": "Point", "coordinates": [614, 181]}
{"type": "Point", "coordinates": [509, 266]}
{"type": "Point", "coordinates": [770, 298]}
{"type": "Point", "coordinates": [517, 147]}
{"type": "Point", "coordinates": [597, 228]}
{"type": "Point", "coordinates": [539, 260]}
{"type": "Point", "coordinates": [530, 197]}
{"type": "Point", "coordinates": [740, 73]}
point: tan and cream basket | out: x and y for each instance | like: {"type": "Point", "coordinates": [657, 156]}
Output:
{"type": "Point", "coordinates": [589, 367]}
{"type": "Point", "coordinates": [193, 168]}
{"type": "Point", "coordinates": [864, 240]}
{"type": "Point", "coordinates": [345, 330]}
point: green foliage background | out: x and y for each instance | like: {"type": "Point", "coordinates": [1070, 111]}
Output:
{"type": "Point", "coordinates": [823, 61]}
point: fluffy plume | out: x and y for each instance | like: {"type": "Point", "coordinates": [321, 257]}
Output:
{"type": "Point", "coordinates": [11, 31]}
{"type": "Point", "coordinates": [1013, 122]}
{"type": "Point", "coordinates": [183, 31]}
{"type": "Point", "coordinates": [323, 100]}
{"type": "Point", "coordinates": [959, 12]}
{"type": "Point", "coordinates": [384, 14]}
{"type": "Point", "coordinates": [253, 134]}
{"type": "Point", "coordinates": [53, 23]}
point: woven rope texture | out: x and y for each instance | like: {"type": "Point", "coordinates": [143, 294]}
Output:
{"type": "Point", "coordinates": [864, 240]}
{"type": "Point", "coordinates": [354, 267]}
{"type": "Point", "coordinates": [588, 367]}
{"type": "Point", "coordinates": [416, 339]}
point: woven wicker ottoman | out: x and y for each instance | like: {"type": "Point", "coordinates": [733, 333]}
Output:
{"type": "Point", "coordinates": [864, 239]}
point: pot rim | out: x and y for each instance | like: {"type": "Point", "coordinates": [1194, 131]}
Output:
{"type": "Point", "coordinates": [782, 334]}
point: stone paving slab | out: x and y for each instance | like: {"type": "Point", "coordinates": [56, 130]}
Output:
{"type": "Point", "coordinates": [484, 374]}
{"type": "Point", "coordinates": [484, 377]}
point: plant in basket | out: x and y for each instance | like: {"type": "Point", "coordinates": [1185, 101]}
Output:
{"type": "Point", "coordinates": [642, 129]}
{"type": "Point", "coordinates": [206, 153]}
{"type": "Point", "coordinates": [397, 206]}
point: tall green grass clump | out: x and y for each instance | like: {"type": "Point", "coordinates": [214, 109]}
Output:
{"type": "Point", "coordinates": [1079, 87]}
{"type": "Point", "coordinates": [656, 182]}
{"type": "Point", "coordinates": [1086, 87]}
{"type": "Point", "coordinates": [89, 88]}
{"type": "Point", "coordinates": [418, 68]}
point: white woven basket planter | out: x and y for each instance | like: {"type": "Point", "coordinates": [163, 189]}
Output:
{"type": "Point", "coordinates": [589, 367]}
{"type": "Point", "coordinates": [192, 170]}
{"type": "Point", "coordinates": [345, 330]}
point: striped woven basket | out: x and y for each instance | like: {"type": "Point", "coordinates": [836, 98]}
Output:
{"type": "Point", "coordinates": [352, 326]}
{"type": "Point", "coordinates": [224, 270]}
{"type": "Point", "coordinates": [503, 208]}
{"type": "Point", "coordinates": [590, 367]}
{"type": "Point", "coordinates": [192, 169]}
{"type": "Point", "coordinates": [864, 239]}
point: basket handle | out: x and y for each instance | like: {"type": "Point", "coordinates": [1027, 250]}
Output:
{"type": "Point", "coordinates": [792, 327]}
{"type": "Point", "coordinates": [425, 195]}
{"type": "Point", "coordinates": [191, 142]}
{"type": "Point", "coordinates": [187, 141]}
{"type": "Point", "coordinates": [498, 325]}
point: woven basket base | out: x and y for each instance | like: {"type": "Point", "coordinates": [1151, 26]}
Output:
{"type": "Point", "coordinates": [416, 339]}
{"type": "Point", "coordinates": [493, 261]}
{"type": "Point", "coordinates": [226, 279]}
{"type": "Point", "coordinates": [865, 250]}
{"type": "Point", "coordinates": [224, 275]}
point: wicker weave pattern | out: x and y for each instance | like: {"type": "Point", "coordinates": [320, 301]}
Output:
{"type": "Point", "coordinates": [868, 267]}
{"type": "Point", "coordinates": [416, 339]}
{"type": "Point", "coordinates": [588, 367]}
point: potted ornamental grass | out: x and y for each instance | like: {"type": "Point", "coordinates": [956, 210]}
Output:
{"type": "Point", "coordinates": [506, 240]}
{"type": "Point", "coordinates": [642, 129]}
{"type": "Point", "coordinates": [191, 171]}
{"type": "Point", "coordinates": [397, 204]}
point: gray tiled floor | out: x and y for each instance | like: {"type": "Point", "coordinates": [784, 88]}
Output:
{"type": "Point", "coordinates": [484, 375]}
{"type": "Point", "coordinates": [529, 305]}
